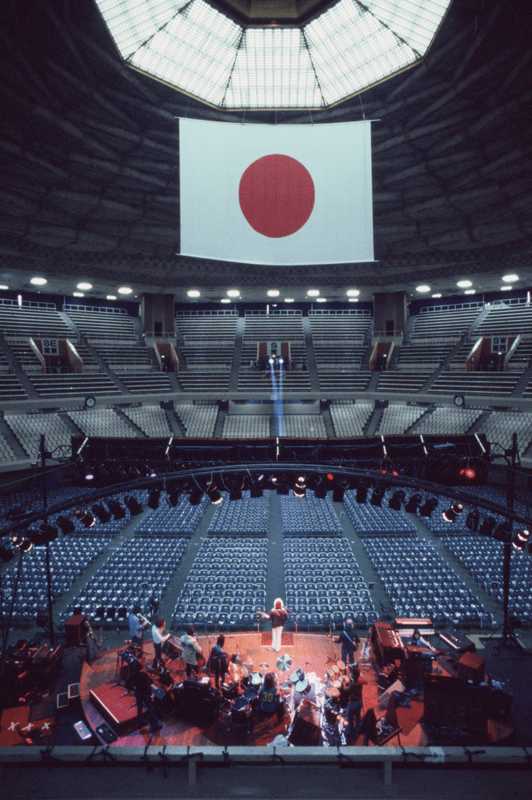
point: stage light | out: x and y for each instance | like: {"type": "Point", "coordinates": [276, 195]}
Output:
{"type": "Point", "coordinates": [118, 511]}
{"type": "Point", "coordinates": [413, 503]}
{"type": "Point", "coordinates": [472, 520]}
{"type": "Point", "coordinates": [153, 498]}
{"type": "Point", "coordinates": [361, 493]}
{"type": "Point", "coordinates": [430, 505]}
{"type": "Point", "coordinates": [396, 499]}
{"type": "Point", "coordinates": [450, 514]}
{"type": "Point", "coordinates": [26, 546]}
{"type": "Point", "coordinates": [103, 514]}
{"type": "Point", "coordinates": [214, 496]}
{"type": "Point", "coordinates": [503, 532]}
{"type": "Point", "coordinates": [86, 518]}
{"type": "Point", "coordinates": [235, 492]}
{"type": "Point", "coordinates": [487, 526]}
{"type": "Point", "coordinates": [48, 533]}
{"type": "Point", "coordinates": [281, 360]}
{"type": "Point", "coordinates": [377, 495]}
{"type": "Point", "coordinates": [89, 475]}
{"type": "Point", "coordinates": [271, 360]}
{"type": "Point", "coordinates": [172, 497]}
{"type": "Point", "coordinates": [133, 504]}
{"type": "Point", "coordinates": [469, 473]}
{"type": "Point", "coordinates": [195, 496]}
{"type": "Point", "coordinates": [300, 488]}
{"type": "Point", "coordinates": [255, 490]}
{"type": "Point", "coordinates": [521, 539]}
{"type": "Point", "coordinates": [66, 524]}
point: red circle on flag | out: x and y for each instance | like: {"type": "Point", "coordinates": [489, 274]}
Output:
{"type": "Point", "coordinates": [276, 195]}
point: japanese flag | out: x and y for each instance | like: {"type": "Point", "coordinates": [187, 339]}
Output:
{"type": "Point", "coordinates": [276, 194]}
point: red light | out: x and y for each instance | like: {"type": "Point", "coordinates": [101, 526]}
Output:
{"type": "Point", "coordinates": [469, 473]}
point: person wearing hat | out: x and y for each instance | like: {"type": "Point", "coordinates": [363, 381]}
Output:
{"type": "Point", "coordinates": [349, 641]}
{"type": "Point", "coordinates": [306, 728]}
{"type": "Point", "coordinates": [278, 616]}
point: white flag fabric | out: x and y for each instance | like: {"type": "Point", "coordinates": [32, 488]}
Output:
{"type": "Point", "coordinates": [276, 194]}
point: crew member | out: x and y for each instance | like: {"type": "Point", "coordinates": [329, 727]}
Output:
{"type": "Point", "coordinates": [278, 616]}
{"type": "Point", "coordinates": [349, 641]}
{"type": "Point", "coordinates": [141, 685]}
{"type": "Point", "coordinates": [159, 638]}
{"type": "Point", "coordinates": [417, 640]}
{"type": "Point", "coordinates": [354, 708]}
{"type": "Point", "coordinates": [218, 661]}
{"type": "Point", "coordinates": [137, 622]}
{"type": "Point", "coordinates": [192, 651]}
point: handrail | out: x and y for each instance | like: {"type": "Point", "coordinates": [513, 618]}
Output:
{"type": "Point", "coordinates": [95, 309]}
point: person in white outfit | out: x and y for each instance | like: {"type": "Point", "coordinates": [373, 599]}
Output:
{"type": "Point", "coordinates": [278, 616]}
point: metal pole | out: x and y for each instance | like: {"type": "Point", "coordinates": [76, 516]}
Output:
{"type": "Point", "coordinates": [48, 570]}
{"type": "Point", "coordinates": [510, 497]}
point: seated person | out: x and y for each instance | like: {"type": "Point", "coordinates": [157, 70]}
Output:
{"type": "Point", "coordinates": [417, 640]}
{"type": "Point", "coordinates": [269, 698]}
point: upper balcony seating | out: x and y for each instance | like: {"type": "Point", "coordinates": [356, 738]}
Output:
{"type": "Point", "coordinates": [304, 426]}
{"type": "Point", "coordinates": [102, 324]}
{"type": "Point", "coordinates": [445, 324]}
{"type": "Point", "coordinates": [503, 319]}
{"type": "Point", "coordinates": [500, 426]}
{"type": "Point", "coordinates": [401, 382]}
{"type": "Point", "coordinates": [426, 357]}
{"type": "Point", "coordinates": [147, 383]}
{"type": "Point", "coordinates": [125, 356]}
{"type": "Point", "coordinates": [475, 383]}
{"type": "Point", "coordinates": [11, 388]}
{"type": "Point", "coordinates": [349, 419]}
{"type": "Point", "coordinates": [37, 319]}
{"type": "Point", "coordinates": [73, 385]}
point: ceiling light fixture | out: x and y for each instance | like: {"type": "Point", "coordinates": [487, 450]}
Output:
{"type": "Point", "coordinates": [464, 284]}
{"type": "Point", "coordinates": [193, 293]}
{"type": "Point", "coordinates": [233, 293]}
{"type": "Point", "coordinates": [313, 292]}
{"type": "Point", "coordinates": [38, 281]}
{"type": "Point", "coordinates": [423, 288]}
{"type": "Point", "coordinates": [85, 286]}
{"type": "Point", "coordinates": [353, 292]}
{"type": "Point", "coordinates": [111, 297]}
{"type": "Point", "coordinates": [273, 293]}
{"type": "Point", "coordinates": [125, 290]}
{"type": "Point", "coordinates": [510, 278]}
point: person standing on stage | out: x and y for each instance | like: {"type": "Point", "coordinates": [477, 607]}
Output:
{"type": "Point", "coordinates": [354, 708]}
{"type": "Point", "coordinates": [218, 660]}
{"type": "Point", "coordinates": [159, 638]}
{"type": "Point", "coordinates": [349, 641]}
{"type": "Point", "coordinates": [191, 651]}
{"type": "Point", "coordinates": [141, 685]}
{"type": "Point", "coordinates": [137, 622]}
{"type": "Point", "coordinates": [278, 616]}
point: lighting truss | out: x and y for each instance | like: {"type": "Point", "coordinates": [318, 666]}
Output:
{"type": "Point", "coordinates": [199, 49]}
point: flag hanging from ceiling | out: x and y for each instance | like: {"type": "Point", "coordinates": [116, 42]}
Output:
{"type": "Point", "coordinates": [276, 194]}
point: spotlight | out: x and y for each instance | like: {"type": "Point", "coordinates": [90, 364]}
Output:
{"type": "Point", "coordinates": [49, 533]}
{"type": "Point", "coordinates": [26, 546]}
{"type": "Point", "coordinates": [377, 495]}
{"type": "Point", "coordinates": [103, 514]}
{"type": "Point", "coordinates": [118, 511]}
{"type": "Point", "coordinates": [450, 514]}
{"type": "Point", "coordinates": [153, 498]}
{"type": "Point", "coordinates": [396, 499]}
{"type": "Point", "coordinates": [362, 493]}
{"type": "Point", "coordinates": [413, 503]}
{"type": "Point", "coordinates": [255, 490]}
{"type": "Point", "coordinates": [195, 496]}
{"type": "Point", "coordinates": [85, 517]}
{"type": "Point", "coordinates": [133, 504]}
{"type": "Point", "coordinates": [18, 540]}
{"type": "Point", "coordinates": [487, 526]}
{"type": "Point", "coordinates": [214, 496]}
{"type": "Point", "coordinates": [281, 484]}
{"type": "Point", "coordinates": [430, 505]}
{"type": "Point", "coordinates": [320, 490]}
{"type": "Point", "coordinates": [235, 488]}
{"type": "Point", "coordinates": [89, 475]}
{"type": "Point", "coordinates": [66, 524]}
{"type": "Point", "coordinates": [503, 532]}
{"type": "Point", "coordinates": [472, 520]}
{"type": "Point", "coordinates": [281, 360]}
{"type": "Point", "coordinates": [300, 488]}
{"type": "Point", "coordinates": [271, 360]}
{"type": "Point", "coordinates": [520, 540]}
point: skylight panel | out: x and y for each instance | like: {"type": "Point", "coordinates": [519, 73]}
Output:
{"type": "Point", "coordinates": [132, 22]}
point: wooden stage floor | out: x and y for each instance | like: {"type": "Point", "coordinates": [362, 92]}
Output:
{"type": "Point", "coordinates": [313, 653]}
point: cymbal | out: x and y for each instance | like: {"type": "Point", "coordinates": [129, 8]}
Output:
{"type": "Point", "coordinates": [284, 663]}
{"type": "Point", "coordinates": [331, 691]}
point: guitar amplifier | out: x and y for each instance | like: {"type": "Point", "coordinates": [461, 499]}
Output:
{"type": "Point", "coordinates": [76, 630]}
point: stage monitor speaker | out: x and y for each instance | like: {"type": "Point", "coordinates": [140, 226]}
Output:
{"type": "Point", "coordinates": [455, 703]}
{"type": "Point", "coordinates": [472, 667]}
{"type": "Point", "coordinates": [76, 630]}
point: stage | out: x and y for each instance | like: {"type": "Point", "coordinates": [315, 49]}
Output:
{"type": "Point", "coordinates": [191, 716]}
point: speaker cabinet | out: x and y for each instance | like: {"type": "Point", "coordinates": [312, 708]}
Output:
{"type": "Point", "coordinates": [76, 630]}
{"type": "Point", "coordinates": [455, 703]}
{"type": "Point", "coordinates": [472, 667]}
